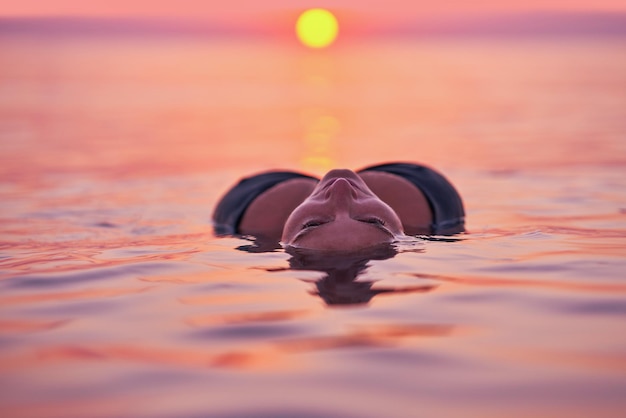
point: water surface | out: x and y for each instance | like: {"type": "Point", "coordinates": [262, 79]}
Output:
{"type": "Point", "coordinates": [116, 299]}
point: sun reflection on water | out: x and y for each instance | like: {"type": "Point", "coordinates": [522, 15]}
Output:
{"type": "Point", "coordinates": [320, 124]}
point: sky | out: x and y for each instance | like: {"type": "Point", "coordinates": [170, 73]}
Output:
{"type": "Point", "coordinates": [278, 16]}
{"type": "Point", "coordinates": [385, 10]}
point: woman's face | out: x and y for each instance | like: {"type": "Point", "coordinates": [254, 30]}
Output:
{"type": "Point", "coordinates": [341, 214]}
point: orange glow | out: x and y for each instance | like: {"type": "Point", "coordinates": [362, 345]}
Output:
{"type": "Point", "coordinates": [20, 325]}
{"type": "Point", "coordinates": [242, 318]}
{"type": "Point", "coordinates": [74, 295]}
{"type": "Point", "coordinates": [529, 283]}
{"type": "Point", "coordinates": [261, 356]}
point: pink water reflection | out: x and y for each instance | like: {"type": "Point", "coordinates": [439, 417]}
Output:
{"type": "Point", "coordinates": [118, 300]}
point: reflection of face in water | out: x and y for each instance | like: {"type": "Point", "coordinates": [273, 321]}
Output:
{"type": "Point", "coordinates": [340, 285]}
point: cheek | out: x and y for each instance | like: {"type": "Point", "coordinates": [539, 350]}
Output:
{"type": "Point", "coordinates": [293, 224]}
{"type": "Point", "coordinates": [384, 212]}
{"type": "Point", "coordinates": [393, 222]}
{"type": "Point", "coordinates": [289, 230]}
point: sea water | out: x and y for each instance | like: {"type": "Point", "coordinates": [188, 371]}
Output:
{"type": "Point", "coordinates": [117, 299]}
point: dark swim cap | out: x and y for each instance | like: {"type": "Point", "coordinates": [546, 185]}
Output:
{"type": "Point", "coordinates": [232, 206]}
{"type": "Point", "coordinates": [445, 202]}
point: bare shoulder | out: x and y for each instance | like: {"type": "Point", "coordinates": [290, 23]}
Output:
{"type": "Point", "coordinates": [267, 214]}
{"type": "Point", "coordinates": [406, 199]}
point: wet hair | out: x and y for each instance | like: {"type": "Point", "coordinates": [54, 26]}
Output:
{"type": "Point", "coordinates": [232, 206]}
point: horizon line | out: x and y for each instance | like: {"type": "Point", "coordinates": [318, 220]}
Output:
{"type": "Point", "coordinates": [509, 24]}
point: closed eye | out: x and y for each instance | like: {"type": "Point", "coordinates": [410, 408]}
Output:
{"type": "Point", "coordinates": [312, 224]}
{"type": "Point", "coordinates": [373, 220]}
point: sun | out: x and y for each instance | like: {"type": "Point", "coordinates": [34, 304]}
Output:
{"type": "Point", "coordinates": [317, 28]}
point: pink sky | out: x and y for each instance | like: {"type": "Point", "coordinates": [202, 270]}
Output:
{"type": "Point", "coordinates": [224, 9]}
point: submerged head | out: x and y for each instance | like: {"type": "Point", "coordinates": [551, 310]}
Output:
{"type": "Point", "coordinates": [341, 214]}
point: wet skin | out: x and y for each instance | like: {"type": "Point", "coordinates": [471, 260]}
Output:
{"type": "Point", "coordinates": [341, 214]}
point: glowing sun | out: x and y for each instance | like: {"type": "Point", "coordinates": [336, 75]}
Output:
{"type": "Point", "coordinates": [317, 28]}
